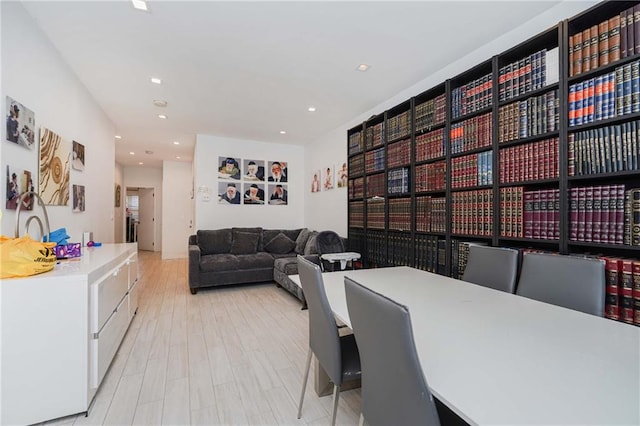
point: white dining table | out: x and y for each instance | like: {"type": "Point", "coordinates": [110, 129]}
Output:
{"type": "Point", "coordinates": [496, 358]}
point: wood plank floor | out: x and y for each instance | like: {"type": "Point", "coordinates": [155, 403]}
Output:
{"type": "Point", "coordinates": [229, 356]}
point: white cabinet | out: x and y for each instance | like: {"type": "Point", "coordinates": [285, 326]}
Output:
{"type": "Point", "coordinates": [61, 330]}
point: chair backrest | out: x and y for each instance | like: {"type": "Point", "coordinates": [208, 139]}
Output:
{"type": "Point", "coordinates": [324, 339]}
{"type": "Point", "coordinates": [572, 282]}
{"type": "Point", "coordinates": [394, 389]}
{"type": "Point", "coordinates": [493, 267]}
{"type": "Point", "coordinates": [329, 242]}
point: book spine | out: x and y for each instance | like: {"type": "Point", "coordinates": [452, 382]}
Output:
{"type": "Point", "coordinates": [612, 292]}
{"type": "Point", "coordinates": [619, 214]}
{"type": "Point", "coordinates": [626, 292]}
{"type": "Point", "coordinates": [588, 214]}
{"type": "Point", "coordinates": [636, 292]}
{"type": "Point", "coordinates": [603, 54]}
{"type": "Point", "coordinates": [614, 38]}
{"type": "Point", "coordinates": [597, 218]}
{"type": "Point", "coordinates": [623, 33]}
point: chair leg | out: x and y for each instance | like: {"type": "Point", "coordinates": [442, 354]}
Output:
{"type": "Point", "coordinates": [304, 382]}
{"type": "Point", "coordinates": [336, 395]}
{"type": "Point", "coordinates": [361, 421]}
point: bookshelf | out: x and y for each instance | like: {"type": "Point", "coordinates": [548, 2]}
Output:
{"type": "Point", "coordinates": [536, 148]}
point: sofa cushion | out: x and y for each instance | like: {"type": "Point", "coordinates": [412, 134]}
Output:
{"type": "Point", "coordinates": [288, 265]}
{"type": "Point", "coordinates": [292, 233]}
{"type": "Point", "coordinates": [280, 244]}
{"type": "Point", "coordinates": [255, 261]}
{"type": "Point", "coordinates": [219, 263]}
{"type": "Point", "coordinates": [301, 241]}
{"type": "Point", "coordinates": [268, 235]}
{"type": "Point", "coordinates": [256, 230]}
{"type": "Point", "coordinates": [244, 242]}
{"type": "Point", "coordinates": [214, 241]}
{"type": "Point", "coordinates": [310, 248]}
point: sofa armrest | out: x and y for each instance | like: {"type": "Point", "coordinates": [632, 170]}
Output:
{"type": "Point", "coordinates": [193, 239]}
{"type": "Point", "coordinates": [194, 265]}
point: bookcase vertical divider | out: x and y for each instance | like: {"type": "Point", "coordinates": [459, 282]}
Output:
{"type": "Point", "coordinates": [496, 153]}
{"type": "Point", "coordinates": [563, 161]}
{"type": "Point", "coordinates": [412, 246]}
{"type": "Point", "coordinates": [447, 153]}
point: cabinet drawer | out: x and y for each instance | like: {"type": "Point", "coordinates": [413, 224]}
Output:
{"type": "Point", "coordinates": [132, 263]}
{"type": "Point", "coordinates": [133, 299]}
{"type": "Point", "coordinates": [106, 295]}
{"type": "Point", "coordinates": [104, 347]}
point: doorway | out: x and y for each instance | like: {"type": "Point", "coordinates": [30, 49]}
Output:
{"type": "Point", "coordinates": [140, 221]}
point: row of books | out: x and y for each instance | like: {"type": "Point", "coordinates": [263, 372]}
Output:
{"type": "Point", "coordinates": [399, 249]}
{"type": "Point", "coordinates": [427, 252]}
{"type": "Point", "coordinates": [431, 113]}
{"type": "Point", "coordinates": [604, 150]}
{"type": "Point", "coordinates": [614, 38]}
{"type": "Point", "coordinates": [373, 135]}
{"type": "Point", "coordinates": [460, 256]}
{"type": "Point", "coordinates": [530, 214]}
{"type": "Point", "coordinates": [400, 214]}
{"type": "Point", "coordinates": [472, 170]}
{"type": "Point", "coordinates": [356, 143]}
{"type": "Point", "coordinates": [398, 181]}
{"type": "Point", "coordinates": [472, 97]}
{"type": "Point", "coordinates": [431, 177]}
{"type": "Point", "coordinates": [375, 214]}
{"type": "Point", "coordinates": [399, 153]}
{"type": "Point", "coordinates": [472, 213]}
{"type": "Point", "coordinates": [356, 165]}
{"type": "Point", "coordinates": [613, 94]}
{"type": "Point", "coordinates": [530, 73]}
{"type": "Point", "coordinates": [374, 161]}
{"type": "Point", "coordinates": [356, 188]}
{"type": "Point", "coordinates": [622, 294]}
{"type": "Point", "coordinates": [597, 214]}
{"type": "Point", "coordinates": [471, 134]}
{"type": "Point", "coordinates": [356, 242]}
{"type": "Point", "coordinates": [529, 162]}
{"type": "Point", "coordinates": [399, 125]}
{"type": "Point", "coordinates": [431, 214]}
{"type": "Point", "coordinates": [430, 145]}
{"type": "Point", "coordinates": [533, 116]}
{"type": "Point", "coordinates": [375, 185]}
{"type": "Point", "coordinates": [356, 214]}
{"type": "Point", "coordinates": [376, 248]}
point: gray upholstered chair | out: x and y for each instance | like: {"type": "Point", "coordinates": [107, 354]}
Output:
{"type": "Point", "coordinates": [493, 267]}
{"type": "Point", "coordinates": [338, 355]}
{"type": "Point", "coordinates": [572, 282]}
{"type": "Point", "coordinates": [394, 388]}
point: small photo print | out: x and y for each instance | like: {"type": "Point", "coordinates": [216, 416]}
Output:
{"type": "Point", "coordinates": [327, 178]}
{"type": "Point", "coordinates": [278, 171]}
{"type": "Point", "coordinates": [18, 182]}
{"type": "Point", "coordinates": [228, 193]}
{"type": "Point", "coordinates": [315, 181]}
{"type": "Point", "coordinates": [77, 154]}
{"type": "Point", "coordinates": [21, 124]}
{"type": "Point", "coordinates": [229, 168]}
{"type": "Point", "coordinates": [342, 175]}
{"type": "Point", "coordinates": [253, 193]}
{"type": "Point", "coordinates": [278, 195]}
{"type": "Point", "coordinates": [253, 170]}
{"type": "Point", "coordinates": [78, 198]}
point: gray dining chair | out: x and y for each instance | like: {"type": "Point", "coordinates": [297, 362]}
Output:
{"type": "Point", "coordinates": [572, 282]}
{"type": "Point", "coordinates": [493, 267]}
{"type": "Point", "coordinates": [338, 355]}
{"type": "Point", "coordinates": [394, 388]}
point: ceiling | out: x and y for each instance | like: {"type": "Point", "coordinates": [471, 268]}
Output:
{"type": "Point", "coordinates": [249, 70]}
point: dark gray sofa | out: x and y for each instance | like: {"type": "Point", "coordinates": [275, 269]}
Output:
{"type": "Point", "coordinates": [248, 255]}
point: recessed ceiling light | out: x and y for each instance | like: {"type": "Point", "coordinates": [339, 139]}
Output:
{"type": "Point", "coordinates": [141, 163]}
{"type": "Point", "coordinates": [363, 67]}
{"type": "Point", "coordinates": [118, 137]}
{"type": "Point", "coordinates": [140, 4]}
{"type": "Point", "coordinates": [160, 103]}
{"type": "Point", "coordinates": [176, 142]}
{"type": "Point", "coordinates": [283, 132]}
{"type": "Point", "coordinates": [178, 157]}
{"type": "Point", "coordinates": [156, 80]}
{"type": "Point", "coordinates": [164, 117]}
{"type": "Point", "coordinates": [132, 153]}
{"type": "Point", "coordinates": [311, 109]}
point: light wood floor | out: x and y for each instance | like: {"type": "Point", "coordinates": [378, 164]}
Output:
{"type": "Point", "coordinates": [232, 356]}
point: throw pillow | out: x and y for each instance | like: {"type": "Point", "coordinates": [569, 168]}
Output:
{"type": "Point", "coordinates": [310, 248]}
{"type": "Point", "coordinates": [281, 244]}
{"type": "Point", "coordinates": [214, 241]}
{"type": "Point", "coordinates": [244, 243]}
{"type": "Point", "coordinates": [301, 241]}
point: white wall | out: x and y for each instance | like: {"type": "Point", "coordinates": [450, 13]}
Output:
{"type": "Point", "coordinates": [211, 215]}
{"type": "Point", "coordinates": [177, 208]}
{"type": "Point", "coordinates": [34, 74]}
{"type": "Point", "coordinates": [147, 177]}
{"type": "Point", "coordinates": [334, 144]}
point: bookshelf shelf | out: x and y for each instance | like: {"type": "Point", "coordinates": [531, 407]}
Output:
{"type": "Point", "coordinates": [516, 105]}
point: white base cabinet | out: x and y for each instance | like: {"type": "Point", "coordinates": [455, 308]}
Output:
{"type": "Point", "coordinates": [61, 330]}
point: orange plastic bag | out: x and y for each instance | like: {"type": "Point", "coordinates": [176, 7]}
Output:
{"type": "Point", "coordinates": [23, 256]}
